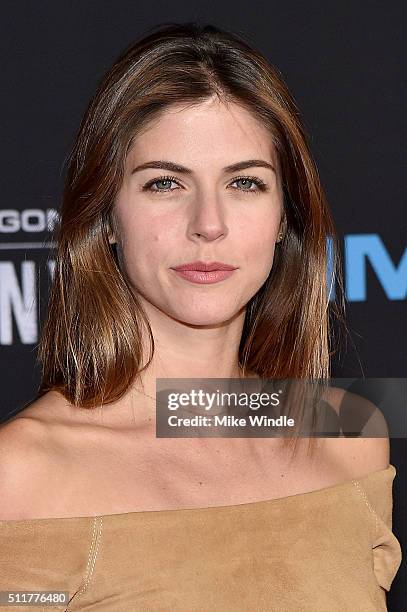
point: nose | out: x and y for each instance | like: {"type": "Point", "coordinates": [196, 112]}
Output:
{"type": "Point", "coordinates": [207, 217]}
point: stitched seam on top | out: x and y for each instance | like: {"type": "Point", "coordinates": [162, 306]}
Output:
{"type": "Point", "coordinates": [364, 496]}
{"type": "Point", "coordinates": [92, 559]}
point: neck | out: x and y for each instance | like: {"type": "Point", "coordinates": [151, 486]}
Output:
{"type": "Point", "coordinates": [187, 350]}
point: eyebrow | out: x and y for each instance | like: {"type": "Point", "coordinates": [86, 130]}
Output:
{"type": "Point", "coordinates": [173, 167]}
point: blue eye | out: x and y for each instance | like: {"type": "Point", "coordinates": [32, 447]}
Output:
{"type": "Point", "coordinates": [162, 179]}
{"type": "Point", "coordinates": [260, 185]}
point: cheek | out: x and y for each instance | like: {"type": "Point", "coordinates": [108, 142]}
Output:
{"type": "Point", "coordinates": [148, 246]}
{"type": "Point", "coordinates": [260, 259]}
{"type": "Point", "coordinates": [258, 241]}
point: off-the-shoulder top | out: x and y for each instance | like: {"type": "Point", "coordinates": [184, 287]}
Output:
{"type": "Point", "coordinates": [331, 549]}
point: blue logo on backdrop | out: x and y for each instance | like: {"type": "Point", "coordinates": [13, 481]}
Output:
{"type": "Point", "coordinates": [360, 249]}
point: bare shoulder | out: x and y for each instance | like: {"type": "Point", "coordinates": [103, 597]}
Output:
{"type": "Point", "coordinates": [19, 436]}
{"type": "Point", "coordinates": [29, 445]}
{"type": "Point", "coordinates": [22, 462]}
{"type": "Point", "coordinates": [369, 450]}
{"type": "Point", "coordinates": [23, 432]}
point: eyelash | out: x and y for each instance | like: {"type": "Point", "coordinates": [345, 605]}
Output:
{"type": "Point", "coordinates": [261, 185]}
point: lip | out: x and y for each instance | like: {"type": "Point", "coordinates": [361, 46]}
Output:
{"type": "Point", "coordinates": [202, 266]}
{"type": "Point", "coordinates": [204, 278]}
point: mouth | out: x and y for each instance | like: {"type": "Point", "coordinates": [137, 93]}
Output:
{"type": "Point", "coordinates": [204, 273]}
{"type": "Point", "coordinates": [202, 266]}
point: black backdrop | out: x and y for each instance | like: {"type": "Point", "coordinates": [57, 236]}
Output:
{"type": "Point", "coordinates": [345, 64]}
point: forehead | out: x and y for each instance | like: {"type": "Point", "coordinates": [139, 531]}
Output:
{"type": "Point", "coordinates": [204, 131]}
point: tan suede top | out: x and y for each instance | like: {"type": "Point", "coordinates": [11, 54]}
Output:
{"type": "Point", "coordinates": [327, 550]}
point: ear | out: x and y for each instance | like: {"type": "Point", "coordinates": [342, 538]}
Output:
{"type": "Point", "coordinates": [283, 224]}
{"type": "Point", "coordinates": [111, 234]}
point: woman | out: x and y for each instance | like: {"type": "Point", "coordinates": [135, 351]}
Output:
{"type": "Point", "coordinates": [191, 152]}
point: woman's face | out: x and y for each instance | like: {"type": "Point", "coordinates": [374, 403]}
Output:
{"type": "Point", "coordinates": [164, 218]}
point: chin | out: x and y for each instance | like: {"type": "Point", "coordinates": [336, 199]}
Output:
{"type": "Point", "coordinates": [202, 318]}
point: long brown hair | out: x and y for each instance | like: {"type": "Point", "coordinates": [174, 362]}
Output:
{"type": "Point", "coordinates": [90, 347]}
